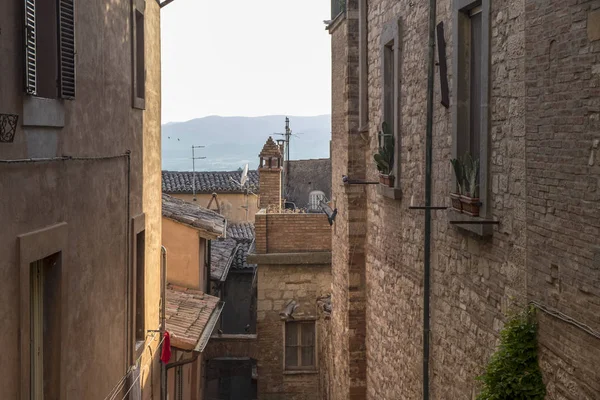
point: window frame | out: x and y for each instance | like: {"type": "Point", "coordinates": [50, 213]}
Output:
{"type": "Point", "coordinates": [391, 39]}
{"type": "Point", "coordinates": [138, 7]}
{"type": "Point", "coordinates": [300, 368]}
{"type": "Point", "coordinates": [138, 225]}
{"type": "Point", "coordinates": [461, 65]}
{"type": "Point", "coordinates": [34, 246]}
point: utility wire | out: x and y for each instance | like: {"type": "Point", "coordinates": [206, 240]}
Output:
{"type": "Point", "coordinates": [141, 367]}
{"type": "Point", "coordinates": [114, 391]}
{"type": "Point", "coordinates": [62, 158]}
{"type": "Point", "coordinates": [563, 317]}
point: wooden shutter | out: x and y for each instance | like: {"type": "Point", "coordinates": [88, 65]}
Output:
{"type": "Point", "coordinates": [66, 46]}
{"type": "Point", "coordinates": [30, 43]}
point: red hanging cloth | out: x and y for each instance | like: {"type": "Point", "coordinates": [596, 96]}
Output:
{"type": "Point", "coordinates": [165, 354]}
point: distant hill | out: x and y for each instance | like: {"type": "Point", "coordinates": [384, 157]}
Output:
{"type": "Point", "coordinates": [232, 142]}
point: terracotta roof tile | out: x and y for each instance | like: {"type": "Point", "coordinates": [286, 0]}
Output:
{"type": "Point", "coordinates": [180, 182]}
{"type": "Point", "coordinates": [193, 215]}
{"type": "Point", "coordinates": [187, 313]}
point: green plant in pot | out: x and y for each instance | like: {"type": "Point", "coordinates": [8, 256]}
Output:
{"type": "Point", "coordinates": [470, 195]}
{"type": "Point", "coordinates": [457, 167]}
{"type": "Point", "coordinates": [384, 158]}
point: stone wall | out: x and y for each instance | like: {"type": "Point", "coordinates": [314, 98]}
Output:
{"type": "Point", "coordinates": [277, 285]}
{"type": "Point", "coordinates": [347, 369]}
{"type": "Point", "coordinates": [562, 47]}
{"type": "Point", "coordinates": [545, 247]}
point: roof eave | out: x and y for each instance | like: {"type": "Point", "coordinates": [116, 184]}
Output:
{"type": "Point", "coordinates": [210, 326]}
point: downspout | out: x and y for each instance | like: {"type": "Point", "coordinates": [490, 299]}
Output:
{"type": "Point", "coordinates": [163, 318]}
{"type": "Point", "coordinates": [128, 347]}
{"type": "Point", "coordinates": [428, 163]}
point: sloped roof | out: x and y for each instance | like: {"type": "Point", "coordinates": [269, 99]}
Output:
{"type": "Point", "coordinates": [180, 182]}
{"type": "Point", "coordinates": [240, 261]}
{"type": "Point", "coordinates": [221, 257]}
{"type": "Point", "coordinates": [190, 317]}
{"type": "Point", "coordinates": [192, 215]}
{"type": "Point", "coordinates": [232, 252]}
{"type": "Point", "coordinates": [241, 231]}
{"type": "Point", "coordinates": [304, 176]}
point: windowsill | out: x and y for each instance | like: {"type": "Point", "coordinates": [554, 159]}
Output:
{"type": "Point", "coordinates": [389, 192]}
{"type": "Point", "coordinates": [300, 371]}
{"type": "Point", "coordinates": [483, 230]}
{"type": "Point", "coordinates": [39, 111]}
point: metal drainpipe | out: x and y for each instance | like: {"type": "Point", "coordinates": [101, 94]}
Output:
{"type": "Point", "coordinates": [428, 163]}
{"type": "Point", "coordinates": [163, 319]}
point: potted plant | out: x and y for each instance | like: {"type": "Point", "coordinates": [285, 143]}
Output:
{"type": "Point", "coordinates": [384, 158]}
{"type": "Point", "coordinates": [458, 169]}
{"type": "Point", "coordinates": [470, 196]}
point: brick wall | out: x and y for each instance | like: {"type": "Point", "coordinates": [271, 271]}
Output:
{"type": "Point", "coordinates": [291, 233]}
{"type": "Point", "coordinates": [270, 187]}
{"type": "Point", "coordinates": [277, 285]}
{"type": "Point", "coordinates": [542, 191]}
{"type": "Point", "coordinates": [563, 189]}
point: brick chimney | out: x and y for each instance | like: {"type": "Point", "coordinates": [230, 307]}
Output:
{"type": "Point", "coordinates": [269, 174]}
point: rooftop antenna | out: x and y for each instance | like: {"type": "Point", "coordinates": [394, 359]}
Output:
{"type": "Point", "coordinates": [286, 156]}
{"type": "Point", "coordinates": [244, 177]}
{"type": "Point", "coordinates": [194, 158]}
{"type": "Point", "coordinates": [243, 184]}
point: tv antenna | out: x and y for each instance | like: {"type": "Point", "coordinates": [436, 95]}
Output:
{"type": "Point", "coordinates": [243, 184]}
{"type": "Point", "coordinates": [194, 158]}
{"type": "Point", "coordinates": [286, 156]}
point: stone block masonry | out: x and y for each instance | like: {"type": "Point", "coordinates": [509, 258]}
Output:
{"type": "Point", "coordinates": [543, 175]}
{"type": "Point", "coordinates": [290, 248]}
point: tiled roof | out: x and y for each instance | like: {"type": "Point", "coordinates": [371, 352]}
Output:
{"type": "Point", "coordinates": [241, 231]}
{"type": "Point", "coordinates": [221, 257]}
{"type": "Point", "coordinates": [188, 313]}
{"type": "Point", "coordinates": [192, 215]}
{"type": "Point", "coordinates": [270, 149]}
{"type": "Point", "coordinates": [240, 260]}
{"type": "Point", "coordinates": [207, 182]}
{"type": "Point", "coordinates": [304, 176]}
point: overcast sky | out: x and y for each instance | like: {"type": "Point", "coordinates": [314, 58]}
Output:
{"type": "Point", "coordinates": [245, 58]}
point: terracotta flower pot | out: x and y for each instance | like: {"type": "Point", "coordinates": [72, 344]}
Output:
{"type": "Point", "coordinates": [470, 205]}
{"type": "Point", "coordinates": [456, 203]}
{"type": "Point", "coordinates": [387, 180]}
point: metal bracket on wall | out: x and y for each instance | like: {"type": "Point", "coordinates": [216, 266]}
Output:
{"type": "Point", "coordinates": [8, 127]}
{"type": "Point", "coordinates": [427, 208]}
{"type": "Point", "coordinates": [348, 181]}
{"type": "Point", "coordinates": [475, 222]}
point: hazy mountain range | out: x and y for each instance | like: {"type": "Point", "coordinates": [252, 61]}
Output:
{"type": "Point", "coordinates": [232, 142]}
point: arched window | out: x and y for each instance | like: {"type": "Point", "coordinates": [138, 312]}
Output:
{"type": "Point", "coordinates": [314, 199]}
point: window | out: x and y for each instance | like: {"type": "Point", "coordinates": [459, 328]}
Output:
{"type": "Point", "coordinates": [139, 59]}
{"type": "Point", "coordinates": [300, 345]}
{"type": "Point", "coordinates": [140, 286]}
{"type": "Point", "coordinates": [50, 48]}
{"type": "Point", "coordinates": [390, 72]}
{"type": "Point", "coordinates": [45, 317]}
{"type": "Point", "coordinates": [314, 200]}
{"type": "Point", "coordinates": [471, 92]}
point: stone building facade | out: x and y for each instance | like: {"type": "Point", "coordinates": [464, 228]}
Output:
{"type": "Point", "coordinates": [537, 106]}
{"type": "Point", "coordinates": [293, 257]}
{"type": "Point", "coordinates": [80, 198]}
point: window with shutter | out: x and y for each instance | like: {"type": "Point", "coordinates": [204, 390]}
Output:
{"type": "Point", "coordinates": [30, 47]}
{"type": "Point", "coordinates": [66, 25]}
{"type": "Point", "coordinates": [50, 48]}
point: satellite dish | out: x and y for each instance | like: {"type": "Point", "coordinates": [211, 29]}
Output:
{"type": "Point", "coordinates": [244, 177]}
